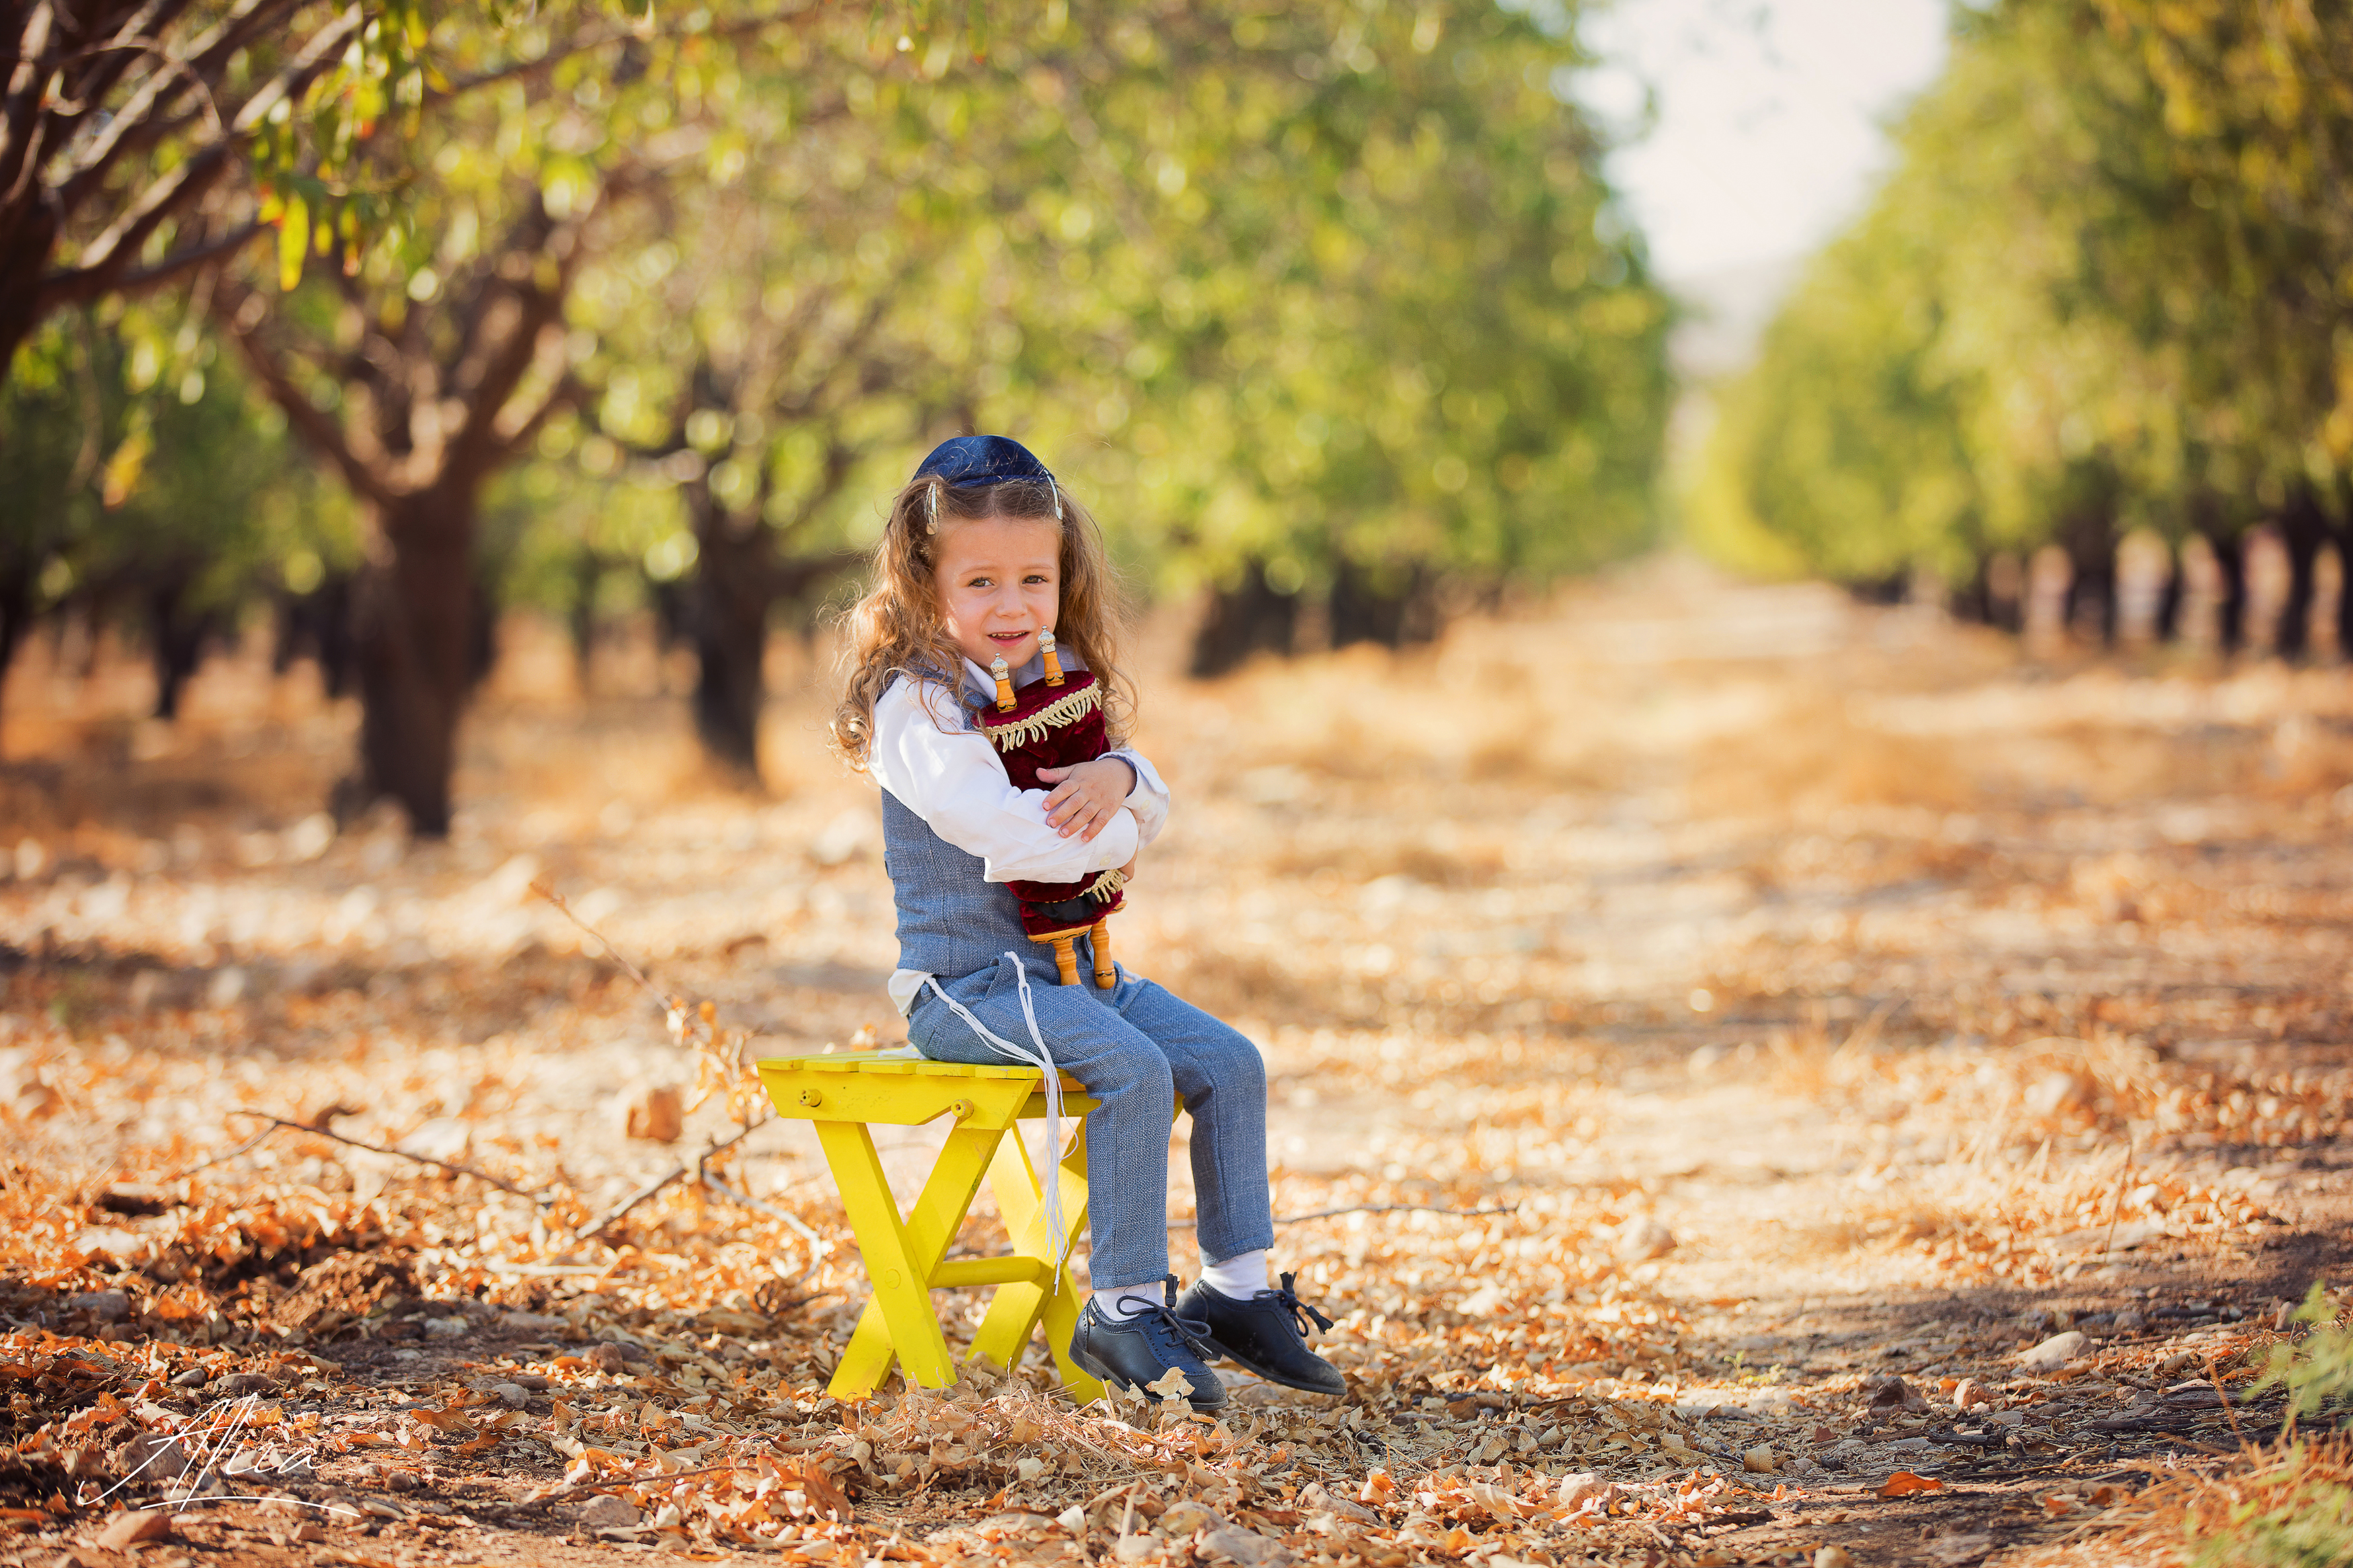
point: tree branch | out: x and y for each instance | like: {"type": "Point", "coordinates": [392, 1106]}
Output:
{"type": "Point", "coordinates": [141, 37]}
{"type": "Point", "coordinates": [151, 115]}
{"type": "Point", "coordinates": [19, 164]}
{"type": "Point", "coordinates": [567, 393]}
{"type": "Point", "coordinates": [324, 433]}
{"type": "Point", "coordinates": [109, 254]}
{"type": "Point", "coordinates": [82, 285]}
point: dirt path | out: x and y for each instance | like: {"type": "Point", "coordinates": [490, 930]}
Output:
{"type": "Point", "coordinates": [1823, 993]}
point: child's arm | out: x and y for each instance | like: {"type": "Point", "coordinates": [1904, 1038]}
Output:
{"type": "Point", "coordinates": [956, 783]}
{"type": "Point", "coordinates": [1149, 801]}
{"type": "Point", "coordinates": [1086, 795]}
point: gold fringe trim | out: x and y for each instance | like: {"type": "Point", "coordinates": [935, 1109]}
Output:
{"type": "Point", "coordinates": [1053, 716]}
{"type": "Point", "coordinates": [1104, 886]}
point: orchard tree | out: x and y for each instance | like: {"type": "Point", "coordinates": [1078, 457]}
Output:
{"type": "Point", "coordinates": [818, 319]}
{"type": "Point", "coordinates": [1336, 302]}
{"type": "Point", "coordinates": [414, 399]}
{"type": "Point", "coordinates": [2053, 324]}
{"type": "Point", "coordinates": [1296, 303]}
{"type": "Point", "coordinates": [2258, 108]}
{"type": "Point", "coordinates": [425, 358]}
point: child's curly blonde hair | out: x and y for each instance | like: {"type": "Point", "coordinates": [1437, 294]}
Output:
{"type": "Point", "coordinates": [896, 631]}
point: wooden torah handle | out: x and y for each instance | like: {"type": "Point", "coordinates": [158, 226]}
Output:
{"type": "Point", "coordinates": [1105, 975]}
{"type": "Point", "coordinates": [1066, 959]}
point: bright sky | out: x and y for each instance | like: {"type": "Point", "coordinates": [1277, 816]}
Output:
{"type": "Point", "coordinates": [1769, 112]}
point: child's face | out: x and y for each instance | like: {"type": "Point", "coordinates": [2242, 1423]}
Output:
{"type": "Point", "coordinates": [1000, 583]}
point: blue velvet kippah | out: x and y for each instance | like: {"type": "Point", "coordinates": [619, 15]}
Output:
{"type": "Point", "coordinates": [982, 461]}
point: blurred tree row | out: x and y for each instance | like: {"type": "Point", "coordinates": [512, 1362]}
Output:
{"type": "Point", "coordinates": [2108, 287]}
{"type": "Point", "coordinates": [1321, 307]}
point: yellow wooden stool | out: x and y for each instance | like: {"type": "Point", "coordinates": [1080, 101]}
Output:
{"type": "Point", "coordinates": [906, 1259]}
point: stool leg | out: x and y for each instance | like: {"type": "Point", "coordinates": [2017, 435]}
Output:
{"type": "Point", "coordinates": [1014, 1312]}
{"type": "Point", "coordinates": [1066, 961]}
{"type": "Point", "coordinates": [1100, 940]}
{"type": "Point", "coordinates": [899, 1263]}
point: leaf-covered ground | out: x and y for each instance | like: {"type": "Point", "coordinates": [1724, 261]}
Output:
{"type": "Point", "coordinates": [1735, 1026]}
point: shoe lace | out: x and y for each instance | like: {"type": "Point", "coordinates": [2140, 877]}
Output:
{"type": "Point", "coordinates": [1288, 1299]}
{"type": "Point", "coordinates": [1168, 1334]}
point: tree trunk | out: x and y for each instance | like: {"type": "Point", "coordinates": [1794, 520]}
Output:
{"type": "Point", "coordinates": [2304, 528]}
{"type": "Point", "coordinates": [2230, 550]}
{"type": "Point", "coordinates": [588, 575]}
{"type": "Point", "coordinates": [18, 577]}
{"type": "Point", "coordinates": [31, 244]}
{"type": "Point", "coordinates": [2344, 596]}
{"type": "Point", "coordinates": [1246, 618]}
{"type": "Point", "coordinates": [1973, 600]}
{"type": "Point", "coordinates": [2167, 624]}
{"type": "Point", "coordinates": [319, 623]}
{"type": "Point", "coordinates": [724, 609]}
{"type": "Point", "coordinates": [726, 614]}
{"type": "Point", "coordinates": [1891, 589]}
{"type": "Point", "coordinates": [1394, 613]}
{"type": "Point", "coordinates": [177, 636]}
{"type": "Point", "coordinates": [2090, 538]}
{"type": "Point", "coordinates": [413, 627]}
{"type": "Point", "coordinates": [482, 628]}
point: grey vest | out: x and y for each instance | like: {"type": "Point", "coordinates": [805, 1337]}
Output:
{"type": "Point", "coordinates": [953, 922]}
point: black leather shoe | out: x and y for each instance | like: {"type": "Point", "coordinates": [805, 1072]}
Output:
{"type": "Point", "coordinates": [1267, 1334]}
{"type": "Point", "coordinates": [1132, 1354]}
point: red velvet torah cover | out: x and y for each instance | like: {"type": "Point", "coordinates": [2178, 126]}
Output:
{"type": "Point", "coordinates": [1053, 727]}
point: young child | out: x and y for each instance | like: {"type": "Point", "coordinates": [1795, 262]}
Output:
{"type": "Point", "coordinates": [982, 553]}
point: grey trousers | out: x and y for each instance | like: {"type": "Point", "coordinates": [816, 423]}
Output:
{"type": "Point", "coordinates": [1135, 1048]}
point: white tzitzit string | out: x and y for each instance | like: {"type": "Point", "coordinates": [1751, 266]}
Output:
{"type": "Point", "coordinates": [1043, 1060]}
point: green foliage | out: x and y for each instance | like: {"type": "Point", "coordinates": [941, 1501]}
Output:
{"type": "Point", "coordinates": [2082, 294]}
{"type": "Point", "coordinates": [138, 462]}
{"type": "Point", "coordinates": [1311, 289]}
{"type": "Point", "coordinates": [2318, 1369]}
{"type": "Point", "coordinates": [1356, 292]}
{"type": "Point", "coordinates": [2313, 1530]}
{"type": "Point", "coordinates": [2300, 1516]}
{"type": "Point", "coordinates": [1301, 288]}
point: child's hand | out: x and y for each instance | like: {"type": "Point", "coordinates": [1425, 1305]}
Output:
{"type": "Point", "coordinates": [1086, 795]}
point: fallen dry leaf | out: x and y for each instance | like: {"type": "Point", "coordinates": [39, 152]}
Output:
{"type": "Point", "coordinates": [1903, 1483]}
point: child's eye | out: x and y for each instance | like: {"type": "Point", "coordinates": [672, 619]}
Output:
{"type": "Point", "coordinates": [980, 583]}
{"type": "Point", "coordinates": [1035, 577]}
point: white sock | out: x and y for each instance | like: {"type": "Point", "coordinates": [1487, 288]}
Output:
{"type": "Point", "coordinates": [1126, 1300]}
{"type": "Point", "coordinates": [1238, 1277]}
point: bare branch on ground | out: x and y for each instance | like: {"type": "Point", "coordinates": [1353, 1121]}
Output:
{"type": "Point", "coordinates": [454, 1167]}
{"type": "Point", "coordinates": [1396, 1208]}
{"type": "Point", "coordinates": [675, 1172]}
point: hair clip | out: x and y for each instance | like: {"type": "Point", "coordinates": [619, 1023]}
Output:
{"type": "Point", "coordinates": [932, 507]}
{"type": "Point", "coordinates": [1056, 491]}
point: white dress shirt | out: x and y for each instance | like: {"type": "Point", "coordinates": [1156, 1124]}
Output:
{"type": "Point", "coordinates": [955, 781]}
